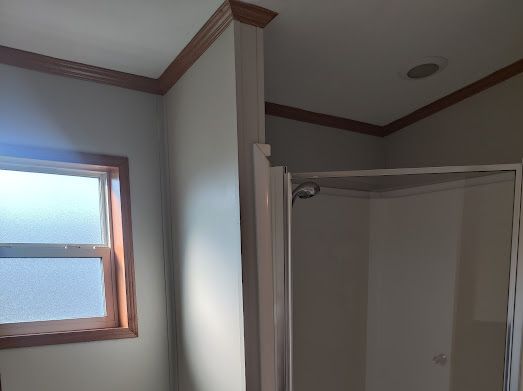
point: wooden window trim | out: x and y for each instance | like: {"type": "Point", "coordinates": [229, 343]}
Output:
{"type": "Point", "coordinates": [53, 326]}
{"type": "Point", "coordinates": [123, 323]}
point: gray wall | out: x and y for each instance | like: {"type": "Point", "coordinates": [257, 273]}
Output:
{"type": "Point", "coordinates": [38, 109]}
{"type": "Point", "coordinates": [201, 118]}
{"type": "Point", "coordinates": [486, 128]}
{"type": "Point", "coordinates": [307, 147]}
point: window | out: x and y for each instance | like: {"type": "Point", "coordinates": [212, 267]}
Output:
{"type": "Point", "coordinates": [66, 263]}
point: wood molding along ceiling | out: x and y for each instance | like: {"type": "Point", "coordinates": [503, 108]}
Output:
{"type": "Point", "coordinates": [331, 121]}
{"type": "Point", "coordinates": [259, 17]}
{"type": "Point", "coordinates": [39, 62]}
{"type": "Point", "coordinates": [230, 10]}
{"type": "Point", "coordinates": [488, 81]}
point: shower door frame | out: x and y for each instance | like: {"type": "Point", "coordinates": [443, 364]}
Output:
{"type": "Point", "coordinates": [514, 329]}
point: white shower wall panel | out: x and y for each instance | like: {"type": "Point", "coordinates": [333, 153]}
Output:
{"type": "Point", "coordinates": [330, 273]}
{"type": "Point", "coordinates": [384, 282]}
{"type": "Point", "coordinates": [414, 250]}
{"type": "Point", "coordinates": [438, 280]}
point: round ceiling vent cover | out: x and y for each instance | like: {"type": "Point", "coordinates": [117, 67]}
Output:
{"type": "Point", "coordinates": [424, 68]}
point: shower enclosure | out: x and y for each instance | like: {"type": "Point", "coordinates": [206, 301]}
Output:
{"type": "Point", "coordinates": [398, 279]}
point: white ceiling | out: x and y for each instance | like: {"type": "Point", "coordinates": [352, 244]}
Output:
{"type": "Point", "coordinates": [340, 57]}
{"type": "Point", "coordinates": [135, 36]}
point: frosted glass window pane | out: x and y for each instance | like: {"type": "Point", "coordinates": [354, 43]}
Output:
{"type": "Point", "coordinates": [49, 208]}
{"type": "Point", "coordinates": [36, 289]}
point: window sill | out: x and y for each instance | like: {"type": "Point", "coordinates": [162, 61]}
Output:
{"type": "Point", "coordinates": [18, 341]}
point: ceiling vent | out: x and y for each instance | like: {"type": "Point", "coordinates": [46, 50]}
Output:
{"type": "Point", "coordinates": [423, 68]}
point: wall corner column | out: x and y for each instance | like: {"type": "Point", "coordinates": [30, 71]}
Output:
{"type": "Point", "coordinates": [250, 98]}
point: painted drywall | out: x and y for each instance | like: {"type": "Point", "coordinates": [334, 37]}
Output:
{"type": "Point", "coordinates": [38, 109]}
{"type": "Point", "coordinates": [330, 239]}
{"type": "Point", "coordinates": [201, 122]}
{"type": "Point", "coordinates": [483, 129]}
{"type": "Point", "coordinates": [307, 147]}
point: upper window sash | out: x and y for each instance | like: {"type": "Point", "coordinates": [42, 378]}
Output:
{"type": "Point", "coordinates": [35, 166]}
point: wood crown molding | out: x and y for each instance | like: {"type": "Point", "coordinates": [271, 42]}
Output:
{"type": "Point", "coordinates": [376, 130]}
{"type": "Point", "coordinates": [56, 66]}
{"type": "Point", "coordinates": [203, 39]}
{"type": "Point", "coordinates": [230, 10]}
{"type": "Point", "coordinates": [250, 13]}
{"type": "Point", "coordinates": [331, 121]}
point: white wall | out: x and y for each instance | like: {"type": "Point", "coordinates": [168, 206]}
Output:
{"type": "Point", "coordinates": [330, 246]}
{"type": "Point", "coordinates": [201, 118]}
{"type": "Point", "coordinates": [486, 128]}
{"type": "Point", "coordinates": [38, 109]}
{"type": "Point", "coordinates": [307, 147]}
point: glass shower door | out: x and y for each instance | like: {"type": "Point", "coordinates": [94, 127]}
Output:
{"type": "Point", "coordinates": [404, 280]}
